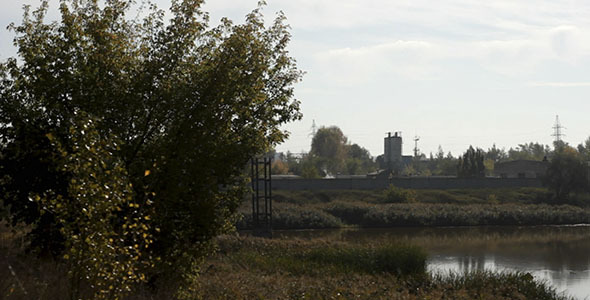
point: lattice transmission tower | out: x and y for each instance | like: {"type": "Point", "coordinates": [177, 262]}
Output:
{"type": "Point", "coordinates": [314, 129]}
{"type": "Point", "coordinates": [557, 130]}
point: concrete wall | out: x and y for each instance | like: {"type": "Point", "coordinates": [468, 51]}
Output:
{"type": "Point", "coordinates": [521, 168]}
{"type": "Point", "coordinates": [411, 183]}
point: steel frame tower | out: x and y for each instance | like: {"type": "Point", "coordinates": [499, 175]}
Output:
{"type": "Point", "coordinates": [261, 196]}
{"type": "Point", "coordinates": [557, 130]}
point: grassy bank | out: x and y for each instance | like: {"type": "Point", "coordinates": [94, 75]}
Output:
{"type": "Point", "coordinates": [336, 209]}
{"type": "Point", "coordinates": [251, 268]}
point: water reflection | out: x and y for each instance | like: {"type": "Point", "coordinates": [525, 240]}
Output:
{"type": "Point", "coordinates": [558, 254]}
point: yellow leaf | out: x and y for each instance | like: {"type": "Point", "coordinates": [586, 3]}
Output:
{"type": "Point", "coordinates": [146, 173]}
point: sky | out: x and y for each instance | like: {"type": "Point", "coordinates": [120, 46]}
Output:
{"type": "Point", "coordinates": [455, 73]}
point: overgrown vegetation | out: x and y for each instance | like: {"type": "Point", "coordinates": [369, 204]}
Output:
{"type": "Point", "coordinates": [254, 268]}
{"type": "Point", "coordinates": [248, 268]}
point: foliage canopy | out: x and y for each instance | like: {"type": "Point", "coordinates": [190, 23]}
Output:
{"type": "Point", "coordinates": [185, 104]}
{"type": "Point", "coordinates": [567, 173]}
{"type": "Point", "coordinates": [331, 153]}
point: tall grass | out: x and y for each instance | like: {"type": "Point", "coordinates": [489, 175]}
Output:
{"type": "Point", "coordinates": [290, 216]}
{"type": "Point", "coordinates": [325, 258]}
{"type": "Point", "coordinates": [340, 214]}
{"type": "Point", "coordinates": [401, 260]}
{"type": "Point", "coordinates": [455, 196]}
{"type": "Point", "coordinates": [472, 215]}
{"type": "Point", "coordinates": [489, 285]}
{"type": "Point", "coordinates": [396, 207]}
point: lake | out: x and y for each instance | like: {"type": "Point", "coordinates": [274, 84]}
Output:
{"type": "Point", "coordinates": [560, 255]}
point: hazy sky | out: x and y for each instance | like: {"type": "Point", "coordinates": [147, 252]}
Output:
{"type": "Point", "coordinates": [455, 73]}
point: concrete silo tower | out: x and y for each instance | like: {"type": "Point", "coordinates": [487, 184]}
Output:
{"type": "Point", "coordinates": [393, 151]}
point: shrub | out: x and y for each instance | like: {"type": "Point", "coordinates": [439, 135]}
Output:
{"type": "Point", "coordinates": [351, 213]}
{"type": "Point", "coordinates": [190, 103]}
{"type": "Point", "coordinates": [395, 194]}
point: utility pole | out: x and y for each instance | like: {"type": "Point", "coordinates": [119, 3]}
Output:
{"type": "Point", "coordinates": [416, 150]}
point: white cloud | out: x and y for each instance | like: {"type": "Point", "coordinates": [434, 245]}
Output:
{"type": "Point", "coordinates": [560, 84]}
{"type": "Point", "coordinates": [424, 59]}
{"type": "Point", "coordinates": [359, 65]}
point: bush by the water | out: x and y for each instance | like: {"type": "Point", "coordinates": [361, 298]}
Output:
{"type": "Point", "coordinates": [351, 213]}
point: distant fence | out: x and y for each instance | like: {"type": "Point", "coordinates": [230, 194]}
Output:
{"type": "Point", "coordinates": [410, 183]}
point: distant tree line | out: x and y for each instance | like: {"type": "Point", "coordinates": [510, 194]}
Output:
{"type": "Point", "coordinates": [332, 154]}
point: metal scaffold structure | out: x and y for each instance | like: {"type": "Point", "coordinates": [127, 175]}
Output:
{"type": "Point", "coordinates": [261, 196]}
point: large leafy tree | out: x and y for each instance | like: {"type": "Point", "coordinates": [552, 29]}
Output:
{"type": "Point", "coordinates": [333, 154]}
{"type": "Point", "coordinates": [567, 173]}
{"type": "Point", "coordinates": [328, 145]}
{"type": "Point", "coordinates": [187, 103]}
